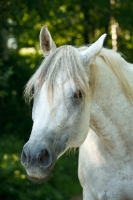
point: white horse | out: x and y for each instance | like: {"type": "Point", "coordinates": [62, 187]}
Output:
{"type": "Point", "coordinates": [75, 89]}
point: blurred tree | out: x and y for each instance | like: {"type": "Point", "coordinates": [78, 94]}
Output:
{"type": "Point", "coordinates": [123, 14]}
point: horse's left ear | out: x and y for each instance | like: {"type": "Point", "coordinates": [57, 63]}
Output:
{"type": "Point", "coordinates": [46, 43]}
{"type": "Point", "coordinates": [91, 52]}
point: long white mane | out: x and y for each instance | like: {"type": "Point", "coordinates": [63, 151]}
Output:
{"type": "Point", "coordinates": [67, 59]}
{"type": "Point", "coordinates": [118, 65]}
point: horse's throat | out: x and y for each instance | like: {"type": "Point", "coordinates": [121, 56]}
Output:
{"type": "Point", "coordinates": [107, 131]}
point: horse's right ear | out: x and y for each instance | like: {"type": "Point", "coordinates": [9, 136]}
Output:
{"type": "Point", "coordinates": [46, 43]}
{"type": "Point", "coordinates": [91, 52]}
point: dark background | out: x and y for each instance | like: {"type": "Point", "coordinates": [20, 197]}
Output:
{"type": "Point", "coordinates": [74, 22]}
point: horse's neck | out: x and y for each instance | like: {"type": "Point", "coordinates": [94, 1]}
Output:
{"type": "Point", "coordinates": [111, 113]}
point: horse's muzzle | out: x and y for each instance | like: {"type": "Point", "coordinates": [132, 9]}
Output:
{"type": "Point", "coordinates": [37, 160]}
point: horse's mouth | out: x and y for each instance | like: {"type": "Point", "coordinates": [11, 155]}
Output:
{"type": "Point", "coordinates": [39, 180]}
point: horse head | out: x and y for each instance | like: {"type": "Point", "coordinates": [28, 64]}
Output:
{"type": "Point", "coordinates": [61, 104]}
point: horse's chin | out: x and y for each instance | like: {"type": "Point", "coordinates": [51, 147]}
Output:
{"type": "Point", "coordinates": [39, 180]}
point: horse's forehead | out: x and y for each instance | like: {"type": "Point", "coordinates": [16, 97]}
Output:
{"type": "Point", "coordinates": [62, 85]}
{"type": "Point", "coordinates": [64, 81]}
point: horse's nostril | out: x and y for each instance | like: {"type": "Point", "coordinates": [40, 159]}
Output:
{"type": "Point", "coordinates": [45, 159]}
{"type": "Point", "coordinates": [24, 159]}
{"type": "Point", "coordinates": [32, 157]}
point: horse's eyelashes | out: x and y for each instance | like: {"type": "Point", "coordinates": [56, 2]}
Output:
{"type": "Point", "coordinates": [77, 95]}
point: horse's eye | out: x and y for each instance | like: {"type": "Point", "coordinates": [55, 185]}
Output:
{"type": "Point", "coordinates": [77, 95]}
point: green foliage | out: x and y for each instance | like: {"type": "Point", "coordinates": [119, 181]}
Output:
{"type": "Point", "coordinates": [70, 22]}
